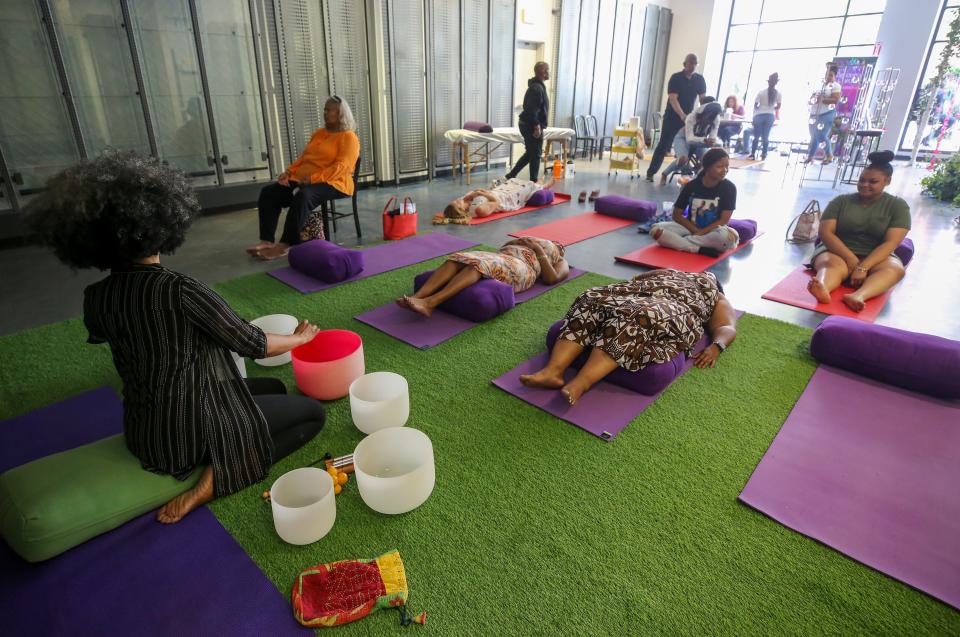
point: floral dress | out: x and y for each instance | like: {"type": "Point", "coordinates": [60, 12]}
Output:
{"type": "Point", "coordinates": [650, 319]}
{"type": "Point", "coordinates": [515, 263]}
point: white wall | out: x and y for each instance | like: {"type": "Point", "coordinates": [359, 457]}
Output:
{"type": "Point", "coordinates": [905, 34]}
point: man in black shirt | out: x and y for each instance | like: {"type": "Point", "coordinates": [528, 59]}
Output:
{"type": "Point", "coordinates": [533, 121]}
{"type": "Point", "coordinates": [682, 92]}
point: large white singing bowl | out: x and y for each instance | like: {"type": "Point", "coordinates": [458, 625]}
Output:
{"type": "Point", "coordinates": [379, 400]}
{"type": "Point", "coordinates": [394, 469]}
{"type": "Point", "coordinates": [304, 506]}
{"type": "Point", "coordinates": [283, 324]}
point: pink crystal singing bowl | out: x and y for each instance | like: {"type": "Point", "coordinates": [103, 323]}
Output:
{"type": "Point", "coordinates": [325, 367]}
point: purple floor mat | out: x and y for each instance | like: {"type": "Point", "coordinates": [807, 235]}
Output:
{"type": "Point", "coordinates": [144, 578]}
{"type": "Point", "coordinates": [873, 472]}
{"type": "Point", "coordinates": [382, 258]}
{"type": "Point", "coordinates": [423, 332]}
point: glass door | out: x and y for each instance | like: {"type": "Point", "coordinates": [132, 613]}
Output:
{"type": "Point", "coordinates": [99, 65]}
{"type": "Point", "coordinates": [231, 67]}
{"type": "Point", "coordinates": [174, 87]}
{"type": "Point", "coordinates": [36, 137]}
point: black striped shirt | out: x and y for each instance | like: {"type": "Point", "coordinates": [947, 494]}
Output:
{"type": "Point", "coordinates": [184, 401]}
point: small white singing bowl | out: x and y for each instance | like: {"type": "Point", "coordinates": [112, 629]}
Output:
{"type": "Point", "coordinates": [282, 324]}
{"type": "Point", "coordinates": [394, 469]}
{"type": "Point", "coordinates": [304, 506]}
{"type": "Point", "coordinates": [379, 400]}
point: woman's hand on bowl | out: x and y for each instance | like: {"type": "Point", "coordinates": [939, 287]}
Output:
{"type": "Point", "coordinates": [306, 331]}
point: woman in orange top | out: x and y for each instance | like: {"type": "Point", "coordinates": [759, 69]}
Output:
{"type": "Point", "coordinates": [323, 171]}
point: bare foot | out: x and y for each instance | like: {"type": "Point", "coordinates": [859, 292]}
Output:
{"type": "Point", "coordinates": [656, 232]}
{"type": "Point", "coordinates": [420, 306]}
{"type": "Point", "coordinates": [853, 302]}
{"type": "Point", "coordinates": [574, 390]}
{"type": "Point", "coordinates": [255, 249]}
{"type": "Point", "coordinates": [544, 378]}
{"type": "Point", "coordinates": [275, 251]}
{"type": "Point", "coordinates": [174, 510]}
{"type": "Point", "coordinates": [663, 179]}
{"type": "Point", "coordinates": [815, 287]}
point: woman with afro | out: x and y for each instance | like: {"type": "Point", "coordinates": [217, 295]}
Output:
{"type": "Point", "coordinates": [185, 403]}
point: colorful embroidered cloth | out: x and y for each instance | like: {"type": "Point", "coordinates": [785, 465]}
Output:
{"type": "Point", "coordinates": [341, 592]}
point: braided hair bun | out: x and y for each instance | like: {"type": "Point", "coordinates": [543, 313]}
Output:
{"type": "Point", "coordinates": [880, 160]}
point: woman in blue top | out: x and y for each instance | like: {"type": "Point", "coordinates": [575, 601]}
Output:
{"type": "Point", "coordinates": [710, 199]}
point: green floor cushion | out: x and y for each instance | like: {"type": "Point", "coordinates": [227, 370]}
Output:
{"type": "Point", "coordinates": [55, 503]}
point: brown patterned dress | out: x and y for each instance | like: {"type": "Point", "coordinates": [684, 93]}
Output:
{"type": "Point", "coordinates": [515, 263]}
{"type": "Point", "coordinates": [649, 319]}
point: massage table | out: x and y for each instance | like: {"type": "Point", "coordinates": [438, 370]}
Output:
{"type": "Point", "coordinates": [461, 139]}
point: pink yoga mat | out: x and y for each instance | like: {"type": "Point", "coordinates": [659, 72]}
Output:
{"type": "Point", "coordinates": [558, 199]}
{"type": "Point", "coordinates": [575, 229]}
{"type": "Point", "coordinates": [873, 472]}
{"type": "Point", "coordinates": [424, 333]}
{"type": "Point", "coordinates": [793, 291]}
{"type": "Point", "coordinates": [382, 258]}
{"type": "Point", "coordinates": [656, 256]}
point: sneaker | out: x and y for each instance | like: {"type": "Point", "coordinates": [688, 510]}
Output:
{"type": "Point", "coordinates": [650, 178]}
{"type": "Point", "coordinates": [713, 253]}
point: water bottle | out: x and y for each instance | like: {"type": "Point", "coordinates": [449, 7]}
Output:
{"type": "Point", "coordinates": [557, 168]}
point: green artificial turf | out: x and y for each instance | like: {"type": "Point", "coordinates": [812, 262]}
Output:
{"type": "Point", "coordinates": [536, 527]}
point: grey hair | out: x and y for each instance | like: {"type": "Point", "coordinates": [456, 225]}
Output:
{"type": "Point", "coordinates": [345, 121]}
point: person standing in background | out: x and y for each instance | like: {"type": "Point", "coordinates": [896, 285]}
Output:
{"type": "Point", "coordinates": [683, 90]}
{"type": "Point", "coordinates": [823, 110]}
{"type": "Point", "coordinates": [766, 108]}
{"type": "Point", "coordinates": [533, 121]}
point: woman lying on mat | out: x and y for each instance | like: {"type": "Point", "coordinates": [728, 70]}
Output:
{"type": "Point", "coordinates": [859, 233]}
{"type": "Point", "coordinates": [519, 262]}
{"type": "Point", "coordinates": [649, 319]}
{"type": "Point", "coordinates": [512, 194]}
{"type": "Point", "coordinates": [710, 199]}
{"type": "Point", "coordinates": [323, 171]}
{"type": "Point", "coordinates": [184, 402]}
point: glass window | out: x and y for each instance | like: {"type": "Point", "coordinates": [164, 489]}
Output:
{"type": "Point", "coordinates": [231, 66]}
{"type": "Point", "coordinates": [164, 32]}
{"type": "Point", "coordinates": [35, 132]}
{"type": "Point", "coordinates": [742, 38]}
{"type": "Point", "coordinates": [786, 10]}
{"type": "Point", "coordinates": [867, 6]}
{"type": "Point", "coordinates": [736, 74]}
{"type": "Point", "coordinates": [861, 29]}
{"type": "Point", "coordinates": [746, 11]}
{"type": "Point", "coordinates": [948, 17]}
{"type": "Point", "coordinates": [865, 50]}
{"type": "Point", "coordinates": [800, 35]}
{"type": "Point", "coordinates": [96, 54]}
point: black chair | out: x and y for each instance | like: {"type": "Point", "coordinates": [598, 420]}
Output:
{"type": "Point", "coordinates": [583, 137]}
{"type": "Point", "coordinates": [328, 208]}
{"type": "Point", "coordinates": [595, 135]}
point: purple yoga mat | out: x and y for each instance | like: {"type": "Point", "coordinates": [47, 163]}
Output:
{"type": "Point", "coordinates": [382, 258]}
{"type": "Point", "coordinates": [873, 472]}
{"type": "Point", "coordinates": [423, 332]}
{"type": "Point", "coordinates": [144, 578]}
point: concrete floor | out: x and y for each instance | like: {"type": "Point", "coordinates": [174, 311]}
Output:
{"type": "Point", "coordinates": [38, 290]}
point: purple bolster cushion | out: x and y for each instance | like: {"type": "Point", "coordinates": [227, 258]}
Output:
{"type": "Point", "coordinates": [919, 362]}
{"type": "Point", "coordinates": [648, 381]}
{"type": "Point", "coordinates": [626, 208]}
{"type": "Point", "coordinates": [746, 228]}
{"type": "Point", "coordinates": [325, 261]}
{"type": "Point", "coordinates": [542, 197]}
{"type": "Point", "coordinates": [905, 250]}
{"type": "Point", "coordinates": [478, 127]}
{"type": "Point", "coordinates": [480, 302]}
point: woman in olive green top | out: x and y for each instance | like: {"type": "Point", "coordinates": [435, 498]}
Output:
{"type": "Point", "coordinates": [859, 233]}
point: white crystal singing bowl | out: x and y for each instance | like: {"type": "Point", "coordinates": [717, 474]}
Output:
{"type": "Point", "coordinates": [394, 469]}
{"type": "Point", "coordinates": [304, 506]}
{"type": "Point", "coordinates": [379, 400]}
{"type": "Point", "coordinates": [283, 324]}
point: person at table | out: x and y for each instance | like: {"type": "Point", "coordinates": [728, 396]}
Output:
{"type": "Point", "coordinates": [699, 133]}
{"type": "Point", "coordinates": [858, 234]}
{"type": "Point", "coordinates": [708, 201]}
{"type": "Point", "coordinates": [732, 122]}
{"type": "Point", "coordinates": [518, 263]}
{"type": "Point", "coordinates": [649, 319]}
{"type": "Point", "coordinates": [766, 106]}
{"type": "Point", "coordinates": [185, 405]}
{"type": "Point", "coordinates": [512, 194]}
{"type": "Point", "coordinates": [683, 90]}
{"type": "Point", "coordinates": [823, 112]}
{"type": "Point", "coordinates": [533, 121]}
{"type": "Point", "coordinates": [323, 171]}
